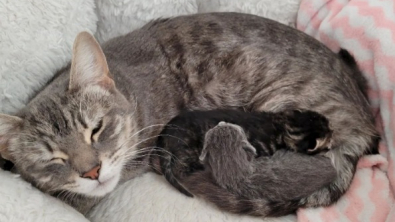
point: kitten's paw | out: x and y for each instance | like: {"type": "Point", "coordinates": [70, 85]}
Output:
{"type": "Point", "coordinates": [307, 132]}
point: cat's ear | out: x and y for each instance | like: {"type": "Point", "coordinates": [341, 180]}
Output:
{"type": "Point", "coordinates": [9, 126]}
{"type": "Point", "coordinates": [89, 65]}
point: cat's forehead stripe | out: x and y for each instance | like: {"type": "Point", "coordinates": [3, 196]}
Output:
{"type": "Point", "coordinates": [81, 120]}
{"type": "Point", "coordinates": [47, 146]}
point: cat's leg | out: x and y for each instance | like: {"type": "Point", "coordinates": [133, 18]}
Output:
{"type": "Point", "coordinates": [353, 136]}
{"type": "Point", "coordinates": [229, 155]}
{"type": "Point", "coordinates": [306, 131]}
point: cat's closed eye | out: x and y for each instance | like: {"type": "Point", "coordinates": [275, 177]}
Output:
{"type": "Point", "coordinates": [96, 130]}
{"type": "Point", "coordinates": [58, 160]}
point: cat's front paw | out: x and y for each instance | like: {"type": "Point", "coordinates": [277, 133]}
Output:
{"type": "Point", "coordinates": [307, 132]}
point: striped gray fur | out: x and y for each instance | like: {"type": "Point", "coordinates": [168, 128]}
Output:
{"type": "Point", "coordinates": [204, 61]}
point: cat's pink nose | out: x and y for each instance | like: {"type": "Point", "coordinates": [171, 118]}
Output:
{"type": "Point", "coordinates": [93, 173]}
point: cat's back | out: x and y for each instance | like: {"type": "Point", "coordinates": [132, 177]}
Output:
{"type": "Point", "coordinates": [215, 52]}
{"type": "Point", "coordinates": [204, 34]}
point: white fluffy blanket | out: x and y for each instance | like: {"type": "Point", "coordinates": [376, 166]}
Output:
{"type": "Point", "coordinates": [35, 41]}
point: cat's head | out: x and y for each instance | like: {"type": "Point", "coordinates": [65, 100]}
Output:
{"type": "Point", "coordinates": [77, 139]}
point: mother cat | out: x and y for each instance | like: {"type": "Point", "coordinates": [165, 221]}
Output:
{"type": "Point", "coordinates": [93, 125]}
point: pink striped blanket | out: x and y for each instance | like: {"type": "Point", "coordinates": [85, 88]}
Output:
{"type": "Point", "coordinates": [366, 28]}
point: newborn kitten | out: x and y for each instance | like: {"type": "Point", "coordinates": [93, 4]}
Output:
{"type": "Point", "coordinates": [237, 182]}
{"type": "Point", "coordinates": [180, 143]}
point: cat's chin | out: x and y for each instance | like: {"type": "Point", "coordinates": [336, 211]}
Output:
{"type": "Point", "coordinates": [104, 187]}
{"type": "Point", "coordinates": [97, 188]}
{"type": "Point", "coordinates": [107, 181]}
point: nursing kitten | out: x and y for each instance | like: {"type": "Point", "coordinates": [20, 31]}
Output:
{"type": "Point", "coordinates": [232, 171]}
{"type": "Point", "coordinates": [92, 126]}
{"type": "Point", "coordinates": [182, 140]}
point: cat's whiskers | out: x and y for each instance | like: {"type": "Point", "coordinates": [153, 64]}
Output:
{"type": "Point", "coordinates": [131, 163]}
{"type": "Point", "coordinates": [169, 153]}
{"type": "Point", "coordinates": [69, 196]}
{"type": "Point", "coordinates": [146, 139]}
{"type": "Point", "coordinates": [130, 153]}
{"type": "Point", "coordinates": [146, 128]}
{"type": "Point", "coordinates": [62, 192]}
{"type": "Point", "coordinates": [126, 152]}
{"type": "Point", "coordinates": [156, 125]}
{"type": "Point", "coordinates": [149, 149]}
{"type": "Point", "coordinates": [152, 137]}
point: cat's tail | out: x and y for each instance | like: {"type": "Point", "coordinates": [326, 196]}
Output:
{"type": "Point", "coordinates": [281, 184]}
{"type": "Point", "coordinates": [359, 78]}
{"type": "Point", "coordinates": [201, 186]}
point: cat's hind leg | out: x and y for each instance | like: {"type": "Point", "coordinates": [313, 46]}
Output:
{"type": "Point", "coordinates": [307, 131]}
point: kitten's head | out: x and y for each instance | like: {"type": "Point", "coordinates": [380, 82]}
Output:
{"type": "Point", "coordinates": [228, 152]}
{"type": "Point", "coordinates": [75, 139]}
{"type": "Point", "coordinates": [228, 143]}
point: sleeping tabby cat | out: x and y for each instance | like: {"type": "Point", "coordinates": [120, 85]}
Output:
{"type": "Point", "coordinates": [187, 138]}
{"type": "Point", "coordinates": [93, 125]}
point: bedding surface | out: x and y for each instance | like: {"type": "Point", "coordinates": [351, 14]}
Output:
{"type": "Point", "coordinates": [367, 30]}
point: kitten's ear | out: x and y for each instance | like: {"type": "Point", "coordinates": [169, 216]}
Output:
{"type": "Point", "coordinates": [207, 143]}
{"type": "Point", "coordinates": [249, 148]}
{"type": "Point", "coordinates": [9, 125]}
{"type": "Point", "coordinates": [203, 154]}
{"type": "Point", "coordinates": [88, 66]}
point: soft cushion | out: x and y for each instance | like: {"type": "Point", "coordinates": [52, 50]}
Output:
{"type": "Point", "coordinates": [150, 198]}
{"type": "Point", "coordinates": [20, 201]}
{"type": "Point", "coordinates": [35, 41]}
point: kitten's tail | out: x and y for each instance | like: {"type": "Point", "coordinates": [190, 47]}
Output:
{"type": "Point", "coordinates": [163, 163]}
{"type": "Point", "coordinates": [167, 167]}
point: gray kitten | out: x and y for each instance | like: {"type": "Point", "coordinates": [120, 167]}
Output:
{"type": "Point", "coordinates": [92, 127]}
